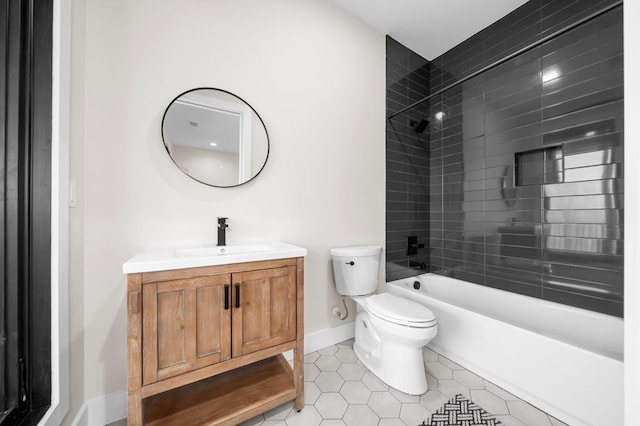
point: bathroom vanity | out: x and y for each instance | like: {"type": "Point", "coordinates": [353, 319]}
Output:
{"type": "Point", "coordinates": [207, 329]}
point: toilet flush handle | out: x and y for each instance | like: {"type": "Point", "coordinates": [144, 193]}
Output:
{"type": "Point", "coordinates": [350, 263]}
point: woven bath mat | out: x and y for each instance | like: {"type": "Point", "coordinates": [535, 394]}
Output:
{"type": "Point", "coordinates": [459, 411]}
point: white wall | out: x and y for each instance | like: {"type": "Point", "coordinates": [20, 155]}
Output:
{"type": "Point", "coordinates": [313, 73]}
{"type": "Point", "coordinates": [76, 215]}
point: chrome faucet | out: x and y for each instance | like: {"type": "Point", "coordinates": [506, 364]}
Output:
{"type": "Point", "coordinates": [222, 231]}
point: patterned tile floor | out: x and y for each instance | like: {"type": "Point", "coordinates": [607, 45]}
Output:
{"type": "Point", "coordinates": [339, 390]}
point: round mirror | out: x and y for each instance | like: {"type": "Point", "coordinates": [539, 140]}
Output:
{"type": "Point", "coordinates": [215, 137]}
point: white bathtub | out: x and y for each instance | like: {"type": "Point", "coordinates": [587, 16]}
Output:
{"type": "Point", "coordinates": [566, 361]}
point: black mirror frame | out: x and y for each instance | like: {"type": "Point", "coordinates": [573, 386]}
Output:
{"type": "Point", "coordinates": [235, 96]}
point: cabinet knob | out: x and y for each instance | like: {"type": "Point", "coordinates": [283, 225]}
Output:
{"type": "Point", "coordinates": [226, 296]}
{"type": "Point", "coordinates": [237, 295]}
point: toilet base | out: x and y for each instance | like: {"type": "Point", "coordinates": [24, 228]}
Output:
{"type": "Point", "coordinates": [407, 375]}
{"type": "Point", "coordinates": [401, 366]}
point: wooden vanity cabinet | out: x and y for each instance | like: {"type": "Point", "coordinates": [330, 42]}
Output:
{"type": "Point", "coordinates": [205, 344]}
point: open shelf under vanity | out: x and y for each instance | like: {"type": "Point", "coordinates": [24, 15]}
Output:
{"type": "Point", "coordinates": [225, 399]}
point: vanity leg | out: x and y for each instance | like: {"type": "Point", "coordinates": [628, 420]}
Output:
{"type": "Point", "coordinates": [298, 355]}
{"type": "Point", "coordinates": [298, 374]}
{"type": "Point", "coordinates": [134, 353]}
{"type": "Point", "coordinates": [134, 412]}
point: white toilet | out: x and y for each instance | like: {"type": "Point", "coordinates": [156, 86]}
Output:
{"type": "Point", "coordinates": [390, 330]}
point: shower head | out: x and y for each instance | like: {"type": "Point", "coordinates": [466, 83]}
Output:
{"type": "Point", "coordinates": [419, 126]}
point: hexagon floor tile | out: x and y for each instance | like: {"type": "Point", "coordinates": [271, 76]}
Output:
{"type": "Point", "coordinates": [340, 391]}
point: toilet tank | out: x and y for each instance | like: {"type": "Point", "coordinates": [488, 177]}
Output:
{"type": "Point", "coordinates": [355, 269]}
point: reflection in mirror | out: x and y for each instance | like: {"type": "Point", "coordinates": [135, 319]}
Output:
{"type": "Point", "coordinates": [215, 137]}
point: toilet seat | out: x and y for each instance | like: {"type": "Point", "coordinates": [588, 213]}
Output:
{"type": "Point", "coordinates": [398, 310]}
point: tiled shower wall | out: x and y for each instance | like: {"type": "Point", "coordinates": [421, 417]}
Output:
{"type": "Point", "coordinates": [551, 228]}
{"type": "Point", "coordinates": [407, 151]}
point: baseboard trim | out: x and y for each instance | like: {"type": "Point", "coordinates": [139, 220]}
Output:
{"type": "Point", "coordinates": [82, 417]}
{"type": "Point", "coordinates": [329, 336]}
{"type": "Point", "coordinates": [110, 408]}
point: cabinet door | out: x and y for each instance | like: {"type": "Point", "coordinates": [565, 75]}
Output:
{"type": "Point", "coordinates": [264, 309]}
{"type": "Point", "coordinates": [186, 325]}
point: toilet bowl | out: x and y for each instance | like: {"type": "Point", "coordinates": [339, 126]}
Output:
{"type": "Point", "coordinates": [390, 331]}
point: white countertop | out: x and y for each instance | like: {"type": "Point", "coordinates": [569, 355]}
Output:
{"type": "Point", "coordinates": [191, 257]}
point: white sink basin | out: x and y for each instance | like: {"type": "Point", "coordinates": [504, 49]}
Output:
{"type": "Point", "coordinates": [223, 250]}
{"type": "Point", "coordinates": [209, 255]}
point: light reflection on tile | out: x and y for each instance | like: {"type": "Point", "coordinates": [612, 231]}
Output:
{"type": "Point", "coordinates": [579, 222]}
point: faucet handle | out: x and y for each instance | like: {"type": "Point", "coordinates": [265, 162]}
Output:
{"type": "Point", "coordinates": [222, 222]}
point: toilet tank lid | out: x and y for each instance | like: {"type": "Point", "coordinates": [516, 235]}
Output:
{"type": "Point", "coordinates": [356, 251]}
